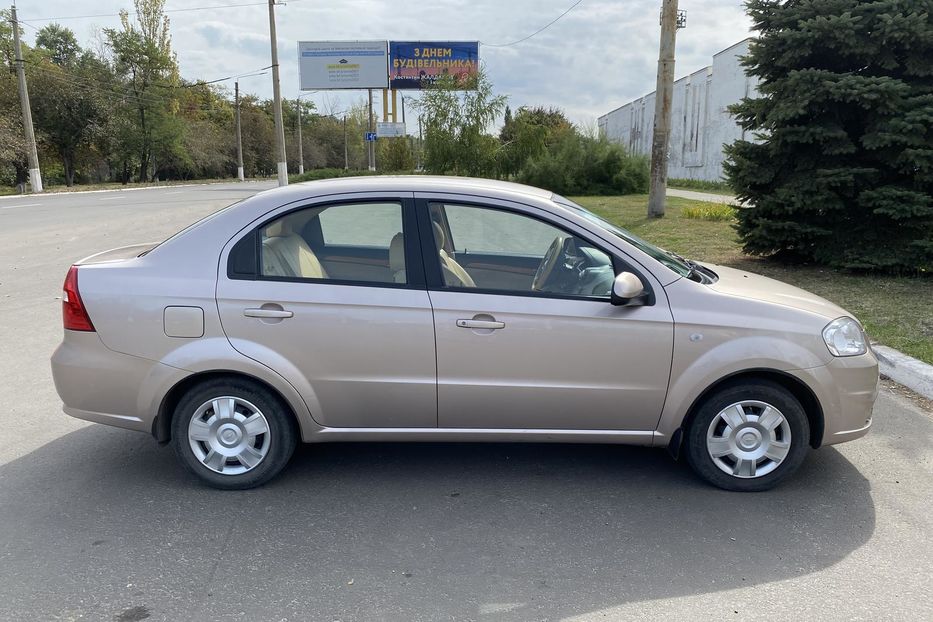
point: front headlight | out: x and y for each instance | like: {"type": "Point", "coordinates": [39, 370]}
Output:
{"type": "Point", "coordinates": [844, 337]}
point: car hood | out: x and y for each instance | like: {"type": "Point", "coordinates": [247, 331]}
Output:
{"type": "Point", "coordinates": [734, 282]}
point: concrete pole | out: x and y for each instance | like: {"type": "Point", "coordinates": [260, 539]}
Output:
{"type": "Point", "coordinates": [301, 153]}
{"type": "Point", "coordinates": [281, 163]}
{"type": "Point", "coordinates": [346, 154]}
{"type": "Point", "coordinates": [662, 110]}
{"type": "Point", "coordinates": [385, 105]}
{"type": "Point", "coordinates": [239, 135]}
{"type": "Point", "coordinates": [418, 163]}
{"type": "Point", "coordinates": [35, 178]}
{"type": "Point", "coordinates": [371, 148]}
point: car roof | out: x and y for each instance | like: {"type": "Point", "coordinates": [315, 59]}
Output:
{"type": "Point", "coordinates": [420, 183]}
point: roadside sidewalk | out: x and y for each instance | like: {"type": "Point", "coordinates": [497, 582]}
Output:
{"type": "Point", "coordinates": [709, 197]}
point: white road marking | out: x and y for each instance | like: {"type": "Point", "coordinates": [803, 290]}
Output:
{"type": "Point", "coordinates": [110, 198]}
{"type": "Point", "coordinates": [22, 205]}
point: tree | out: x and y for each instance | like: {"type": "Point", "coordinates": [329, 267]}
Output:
{"type": "Point", "coordinates": [841, 169]}
{"type": "Point", "coordinates": [67, 106]}
{"type": "Point", "coordinates": [456, 124]}
{"type": "Point", "coordinates": [528, 134]}
{"type": "Point", "coordinates": [61, 44]}
{"type": "Point", "coordinates": [394, 155]}
{"type": "Point", "coordinates": [13, 169]}
{"type": "Point", "coordinates": [143, 55]}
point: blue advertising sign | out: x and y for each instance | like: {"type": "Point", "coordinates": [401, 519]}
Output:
{"type": "Point", "coordinates": [417, 64]}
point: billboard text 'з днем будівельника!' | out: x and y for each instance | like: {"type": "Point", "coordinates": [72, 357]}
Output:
{"type": "Point", "coordinates": [417, 64]}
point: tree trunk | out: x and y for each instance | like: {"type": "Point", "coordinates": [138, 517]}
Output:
{"type": "Point", "coordinates": [68, 165]}
{"type": "Point", "coordinates": [144, 148]}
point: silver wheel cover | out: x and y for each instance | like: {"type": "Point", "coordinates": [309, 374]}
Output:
{"type": "Point", "coordinates": [748, 439]}
{"type": "Point", "coordinates": [229, 435]}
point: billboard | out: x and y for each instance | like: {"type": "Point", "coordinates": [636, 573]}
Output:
{"type": "Point", "coordinates": [415, 64]}
{"type": "Point", "coordinates": [389, 130]}
{"type": "Point", "coordinates": [342, 65]}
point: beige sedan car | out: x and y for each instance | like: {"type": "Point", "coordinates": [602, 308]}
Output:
{"type": "Point", "coordinates": [451, 309]}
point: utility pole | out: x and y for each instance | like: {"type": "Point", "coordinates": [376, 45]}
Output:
{"type": "Point", "coordinates": [346, 155]}
{"type": "Point", "coordinates": [35, 177]}
{"type": "Point", "coordinates": [662, 110]}
{"type": "Point", "coordinates": [419, 164]}
{"type": "Point", "coordinates": [281, 164]}
{"type": "Point", "coordinates": [301, 154]}
{"type": "Point", "coordinates": [371, 150]}
{"type": "Point", "coordinates": [239, 136]}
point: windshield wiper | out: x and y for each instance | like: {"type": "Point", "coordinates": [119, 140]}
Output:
{"type": "Point", "coordinates": [696, 270]}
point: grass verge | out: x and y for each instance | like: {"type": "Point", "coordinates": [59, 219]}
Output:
{"type": "Point", "coordinates": [896, 311]}
{"type": "Point", "coordinates": [717, 187]}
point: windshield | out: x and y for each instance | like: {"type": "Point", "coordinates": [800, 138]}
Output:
{"type": "Point", "coordinates": [668, 259]}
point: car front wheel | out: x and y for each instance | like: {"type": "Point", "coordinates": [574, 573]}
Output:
{"type": "Point", "coordinates": [233, 434]}
{"type": "Point", "coordinates": [748, 437]}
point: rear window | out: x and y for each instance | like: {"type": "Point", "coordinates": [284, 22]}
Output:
{"type": "Point", "coordinates": [364, 224]}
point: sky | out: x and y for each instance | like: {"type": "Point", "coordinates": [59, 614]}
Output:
{"type": "Point", "coordinates": [599, 56]}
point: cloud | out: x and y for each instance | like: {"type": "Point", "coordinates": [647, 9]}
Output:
{"type": "Point", "coordinates": [598, 57]}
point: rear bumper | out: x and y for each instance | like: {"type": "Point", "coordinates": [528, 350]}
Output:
{"type": "Point", "coordinates": [103, 386]}
{"type": "Point", "coordinates": [846, 389]}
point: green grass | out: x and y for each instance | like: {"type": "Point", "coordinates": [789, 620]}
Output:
{"type": "Point", "coordinates": [896, 311]}
{"type": "Point", "coordinates": [709, 211]}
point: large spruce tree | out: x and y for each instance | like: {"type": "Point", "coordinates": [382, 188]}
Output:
{"type": "Point", "coordinates": [841, 168]}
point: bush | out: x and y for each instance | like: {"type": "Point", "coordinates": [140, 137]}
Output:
{"type": "Point", "coordinates": [713, 211]}
{"type": "Point", "coordinates": [576, 164]}
{"type": "Point", "coordinates": [327, 173]}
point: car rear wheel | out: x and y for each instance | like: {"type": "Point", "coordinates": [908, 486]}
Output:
{"type": "Point", "coordinates": [748, 437]}
{"type": "Point", "coordinates": [233, 434]}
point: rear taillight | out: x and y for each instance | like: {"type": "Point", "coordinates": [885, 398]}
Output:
{"type": "Point", "coordinates": [74, 315]}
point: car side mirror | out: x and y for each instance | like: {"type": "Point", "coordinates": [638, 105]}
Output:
{"type": "Point", "coordinates": [627, 289]}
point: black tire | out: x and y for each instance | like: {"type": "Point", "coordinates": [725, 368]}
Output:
{"type": "Point", "coordinates": [282, 432]}
{"type": "Point", "coordinates": [695, 440]}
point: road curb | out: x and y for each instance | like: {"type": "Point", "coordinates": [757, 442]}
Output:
{"type": "Point", "coordinates": [906, 370]}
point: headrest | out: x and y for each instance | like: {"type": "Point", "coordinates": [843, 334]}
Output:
{"type": "Point", "coordinates": [439, 236]}
{"type": "Point", "coordinates": [278, 229]}
{"type": "Point", "coordinates": [292, 223]}
{"type": "Point", "coordinates": [397, 252]}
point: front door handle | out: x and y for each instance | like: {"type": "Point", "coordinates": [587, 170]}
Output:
{"type": "Point", "coordinates": [268, 313]}
{"type": "Point", "coordinates": [482, 324]}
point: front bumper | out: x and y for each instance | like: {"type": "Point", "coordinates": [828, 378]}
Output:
{"type": "Point", "coordinates": [846, 389]}
{"type": "Point", "coordinates": [103, 386]}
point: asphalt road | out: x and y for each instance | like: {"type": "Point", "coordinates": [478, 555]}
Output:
{"type": "Point", "coordinates": [102, 524]}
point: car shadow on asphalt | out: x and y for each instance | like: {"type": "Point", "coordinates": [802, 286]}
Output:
{"type": "Point", "coordinates": [404, 531]}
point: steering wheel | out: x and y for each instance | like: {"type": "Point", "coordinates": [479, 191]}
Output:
{"type": "Point", "coordinates": [548, 262]}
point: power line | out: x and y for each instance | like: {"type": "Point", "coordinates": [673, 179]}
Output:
{"type": "Point", "coordinates": [537, 32]}
{"type": "Point", "coordinates": [255, 72]}
{"type": "Point", "coordinates": [117, 95]}
{"type": "Point", "coordinates": [189, 9]}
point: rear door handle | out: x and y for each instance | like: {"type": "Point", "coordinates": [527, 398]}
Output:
{"type": "Point", "coordinates": [268, 313]}
{"type": "Point", "coordinates": [485, 324]}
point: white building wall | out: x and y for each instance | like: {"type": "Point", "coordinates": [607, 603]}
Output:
{"type": "Point", "coordinates": [700, 125]}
